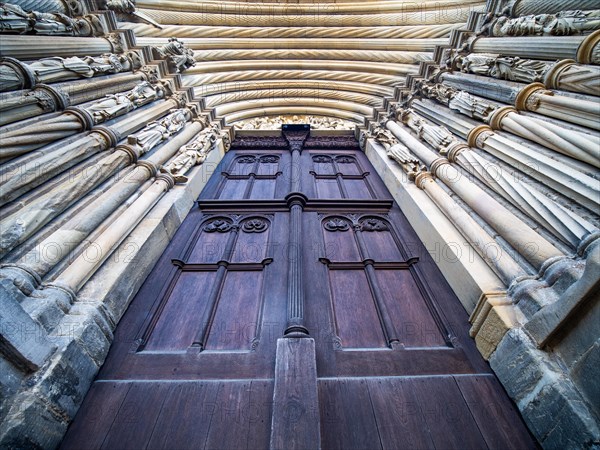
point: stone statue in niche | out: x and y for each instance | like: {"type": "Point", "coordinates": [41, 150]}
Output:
{"type": "Point", "coordinates": [114, 105]}
{"type": "Point", "coordinates": [192, 154]}
{"type": "Point", "coordinates": [162, 129]}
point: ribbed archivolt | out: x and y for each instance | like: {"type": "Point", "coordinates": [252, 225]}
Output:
{"type": "Point", "coordinates": [192, 31]}
{"type": "Point", "coordinates": [317, 19]}
{"type": "Point", "coordinates": [229, 7]}
{"type": "Point", "coordinates": [360, 49]}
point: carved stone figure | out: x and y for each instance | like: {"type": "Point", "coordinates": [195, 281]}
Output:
{"type": "Point", "coordinates": [54, 69]}
{"type": "Point", "coordinates": [192, 154]}
{"type": "Point", "coordinates": [517, 69]}
{"type": "Point", "coordinates": [275, 122]}
{"type": "Point", "coordinates": [114, 105]}
{"type": "Point", "coordinates": [178, 54]}
{"type": "Point", "coordinates": [120, 6]}
{"type": "Point", "coordinates": [173, 47]}
{"type": "Point", "coordinates": [439, 92]}
{"type": "Point", "coordinates": [384, 137]}
{"type": "Point", "coordinates": [13, 19]}
{"type": "Point", "coordinates": [473, 63]}
{"type": "Point", "coordinates": [184, 61]}
{"type": "Point", "coordinates": [437, 136]}
{"type": "Point", "coordinates": [401, 154]}
{"type": "Point", "coordinates": [470, 106]}
{"type": "Point", "coordinates": [160, 130]}
{"type": "Point", "coordinates": [564, 23]}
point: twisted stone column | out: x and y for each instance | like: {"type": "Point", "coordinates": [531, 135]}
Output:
{"type": "Point", "coordinates": [495, 257]}
{"type": "Point", "coordinates": [524, 7]}
{"type": "Point", "coordinates": [575, 185]}
{"type": "Point", "coordinates": [519, 235]}
{"type": "Point", "coordinates": [583, 147]}
{"type": "Point", "coordinates": [557, 219]}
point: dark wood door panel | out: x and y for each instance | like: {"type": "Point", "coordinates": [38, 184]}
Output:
{"type": "Point", "coordinates": [220, 292]}
{"type": "Point", "coordinates": [408, 413]}
{"type": "Point", "coordinates": [191, 415]}
{"type": "Point", "coordinates": [193, 360]}
{"type": "Point", "coordinates": [355, 313]}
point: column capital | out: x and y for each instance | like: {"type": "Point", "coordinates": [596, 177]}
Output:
{"type": "Point", "coordinates": [473, 138]}
{"type": "Point", "coordinates": [421, 177]}
{"type": "Point", "coordinates": [585, 51]}
{"type": "Point", "coordinates": [524, 97]}
{"type": "Point", "coordinates": [495, 118]}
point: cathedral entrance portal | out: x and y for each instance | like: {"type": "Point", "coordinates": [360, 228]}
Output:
{"type": "Point", "coordinates": [296, 308]}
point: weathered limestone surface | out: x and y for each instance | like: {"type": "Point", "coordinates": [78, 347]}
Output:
{"type": "Point", "coordinates": [467, 273]}
{"type": "Point", "coordinates": [38, 416]}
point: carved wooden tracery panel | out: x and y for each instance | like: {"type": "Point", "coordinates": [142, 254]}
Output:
{"type": "Point", "coordinates": [252, 176]}
{"type": "Point", "coordinates": [340, 176]}
{"type": "Point", "coordinates": [373, 281]}
{"type": "Point", "coordinates": [219, 274]}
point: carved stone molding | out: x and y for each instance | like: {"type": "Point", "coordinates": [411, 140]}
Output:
{"type": "Point", "coordinates": [275, 122]}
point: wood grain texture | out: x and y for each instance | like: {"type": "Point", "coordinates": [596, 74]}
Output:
{"type": "Point", "coordinates": [295, 423]}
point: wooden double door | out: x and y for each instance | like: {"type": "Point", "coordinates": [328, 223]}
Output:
{"type": "Point", "coordinates": [295, 234]}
